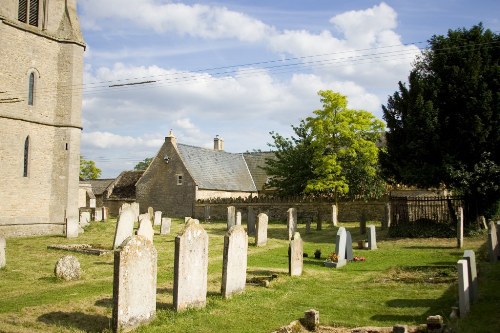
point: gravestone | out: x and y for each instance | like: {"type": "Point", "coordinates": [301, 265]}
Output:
{"type": "Point", "coordinates": [72, 227]}
{"type": "Point", "coordinates": [493, 242]}
{"type": "Point", "coordinates": [463, 287]}
{"type": "Point", "coordinates": [362, 223]}
{"type": "Point", "coordinates": [151, 213]}
{"type": "Point", "coordinates": [157, 218]}
{"type": "Point", "coordinates": [84, 219]}
{"type": "Point", "coordinates": [187, 218]}
{"type": "Point", "coordinates": [234, 262]}
{"type": "Point", "coordinates": [135, 208]}
{"type": "Point", "coordinates": [146, 229]}
{"type": "Point", "coordinates": [206, 210]}
{"type": "Point", "coordinates": [295, 255]}
{"type": "Point", "coordinates": [291, 222]}
{"type": "Point", "coordinates": [340, 247]}
{"type": "Point", "coordinates": [460, 228]}
{"type": "Point", "coordinates": [124, 227]}
{"type": "Point", "coordinates": [386, 222]}
{"type": "Point", "coordinates": [372, 238]}
{"type": "Point", "coordinates": [190, 267]}
{"type": "Point", "coordinates": [335, 215]}
{"type": "Point", "coordinates": [98, 214]}
{"type": "Point", "coordinates": [166, 223]}
{"type": "Point", "coordinates": [251, 221]}
{"type": "Point", "coordinates": [3, 246]}
{"type": "Point", "coordinates": [470, 256]}
{"type": "Point", "coordinates": [67, 268]}
{"type": "Point", "coordinates": [348, 246]}
{"type": "Point", "coordinates": [134, 283]}
{"type": "Point", "coordinates": [238, 218]}
{"type": "Point", "coordinates": [261, 232]}
{"type": "Point", "coordinates": [143, 216]}
{"type": "Point", "coordinates": [311, 319]}
{"type": "Point", "coordinates": [231, 217]}
{"type": "Point", "coordinates": [105, 213]}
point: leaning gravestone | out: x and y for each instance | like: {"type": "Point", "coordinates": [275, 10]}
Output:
{"type": "Point", "coordinates": [134, 283]}
{"type": "Point", "coordinates": [166, 223]}
{"type": "Point", "coordinates": [67, 268]}
{"type": "Point", "coordinates": [340, 247]}
{"type": "Point", "coordinates": [295, 255]}
{"type": "Point", "coordinates": [231, 217]}
{"type": "Point", "coordinates": [470, 256]}
{"type": "Point", "coordinates": [3, 261]}
{"type": "Point", "coordinates": [190, 267]}
{"type": "Point", "coordinates": [261, 232]}
{"type": "Point", "coordinates": [234, 263]}
{"type": "Point", "coordinates": [348, 246]}
{"type": "Point", "coordinates": [146, 229]}
{"type": "Point", "coordinates": [251, 221]}
{"type": "Point", "coordinates": [291, 222]}
{"type": "Point", "coordinates": [238, 218]}
{"type": "Point", "coordinates": [493, 242]}
{"type": "Point", "coordinates": [372, 238]}
{"type": "Point", "coordinates": [463, 287]}
{"type": "Point", "coordinates": [157, 219]}
{"type": "Point", "coordinates": [124, 227]}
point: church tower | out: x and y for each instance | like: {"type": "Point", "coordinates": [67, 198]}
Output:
{"type": "Point", "coordinates": [41, 70]}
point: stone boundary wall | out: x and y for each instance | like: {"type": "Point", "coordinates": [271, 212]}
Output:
{"type": "Point", "coordinates": [277, 211]}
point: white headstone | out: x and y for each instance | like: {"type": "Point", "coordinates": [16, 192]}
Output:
{"type": "Point", "coordinates": [124, 226]}
{"type": "Point", "coordinates": [238, 218]}
{"type": "Point", "coordinates": [166, 223]}
{"type": "Point", "coordinates": [340, 243]}
{"type": "Point", "coordinates": [261, 232]}
{"type": "Point", "coordinates": [463, 287]}
{"type": "Point", "coordinates": [295, 255]}
{"type": "Point", "coordinates": [234, 267]}
{"type": "Point", "coordinates": [157, 218]}
{"type": "Point", "coordinates": [146, 229]}
{"type": "Point", "coordinates": [372, 238]}
{"type": "Point", "coordinates": [460, 228]}
{"type": "Point", "coordinates": [72, 227]}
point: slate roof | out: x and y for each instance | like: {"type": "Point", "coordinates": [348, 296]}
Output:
{"type": "Point", "coordinates": [124, 186]}
{"type": "Point", "coordinates": [255, 161]}
{"type": "Point", "coordinates": [99, 185]}
{"type": "Point", "coordinates": [217, 170]}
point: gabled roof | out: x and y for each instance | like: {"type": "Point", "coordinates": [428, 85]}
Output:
{"type": "Point", "coordinates": [99, 185]}
{"type": "Point", "coordinates": [124, 185]}
{"type": "Point", "coordinates": [217, 170]}
{"type": "Point", "coordinates": [255, 162]}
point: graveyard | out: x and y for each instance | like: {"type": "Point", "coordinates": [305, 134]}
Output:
{"type": "Point", "coordinates": [401, 281]}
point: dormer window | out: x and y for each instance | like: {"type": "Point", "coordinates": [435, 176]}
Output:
{"type": "Point", "coordinates": [28, 12]}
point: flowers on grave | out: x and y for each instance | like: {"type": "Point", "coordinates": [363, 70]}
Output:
{"type": "Point", "coordinates": [333, 257]}
{"type": "Point", "coordinates": [356, 258]}
{"type": "Point", "coordinates": [317, 254]}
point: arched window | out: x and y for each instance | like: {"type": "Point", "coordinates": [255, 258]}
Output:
{"type": "Point", "coordinates": [31, 88]}
{"type": "Point", "coordinates": [26, 156]}
{"type": "Point", "coordinates": [28, 12]}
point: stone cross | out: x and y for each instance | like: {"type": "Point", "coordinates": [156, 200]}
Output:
{"type": "Point", "coordinates": [231, 217]}
{"type": "Point", "coordinates": [372, 238]}
{"type": "Point", "coordinates": [470, 256]}
{"type": "Point", "coordinates": [157, 218]}
{"type": "Point", "coordinates": [190, 267]}
{"type": "Point", "coordinates": [291, 222]}
{"type": "Point", "coordinates": [340, 247]}
{"type": "Point", "coordinates": [238, 218]}
{"type": "Point", "coordinates": [146, 229]}
{"type": "Point", "coordinates": [335, 215]}
{"type": "Point", "coordinates": [134, 283]}
{"type": "Point", "coordinates": [463, 287]}
{"type": "Point", "coordinates": [348, 246]}
{"type": "Point", "coordinates": [251, 221]}
{"type": "Point", "coordinates": [295, 255]}
{"type": "Point", "coordinates": [3, 260]}
{"type": "Point", "coordinates": [493, 242]}
{"type": "Point", "coordinates": [261, 232]}
{"type": "Point", "coordinates": [234, 262]}
{"type": "Point", "coordinates": [124, 227]}
{"type": "Point", "coordinates": [460, 228]}
{"type": "Point", "coordinates": [166, 223]}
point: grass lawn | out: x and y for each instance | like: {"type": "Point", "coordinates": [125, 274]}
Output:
{"type": "Point", "coordinates": [402, 282]}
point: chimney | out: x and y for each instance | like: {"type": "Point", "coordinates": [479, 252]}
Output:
{"type": "Point", "coordinates": [171, 138]}
{"type": "Point", "coordinates": [218, 143]}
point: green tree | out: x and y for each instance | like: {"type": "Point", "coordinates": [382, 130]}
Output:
{"type": "Point", "coordinates": [88, 169]}
{"type": "Point", "coordinates": [143, 165]}
{"type": "Point", "coordinates": [334, 152]}
{"type": "Point", "coordinates": [444, 128]}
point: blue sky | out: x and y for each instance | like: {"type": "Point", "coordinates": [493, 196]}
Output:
{"type": "Point", "coordinates": [240, 69]}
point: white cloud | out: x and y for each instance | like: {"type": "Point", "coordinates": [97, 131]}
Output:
{"type": "Point", "coordinates": [105, 140]}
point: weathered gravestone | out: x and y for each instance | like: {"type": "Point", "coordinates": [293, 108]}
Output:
{"type": "Point", "coordinates": [231, 217]}
{"type": "Point", "coordinates": [335, 215]}
{"type": "Point", "coordinates": [190, 267]}
{"type": "Point", "coordinates": [105, 213]}
{"type": "Point", "coordinates": [463, 287]}
{"type": "Point", "coordinates": [470, 256]}
{"type": "Point", "coordinates": [251, 221]}
{"type": "Point", "coordinates": [151, 213]}
{"type": "Point", "coordinates": [348, 246]}
{"type": "Point", "coordinates": [135, 208]}
{"type": "Point", "coordinates": [166, 223]}
{"type": "Point", "coordinates": [143, 216]}
{"type": "Point", "coordinates": [157, 218]}
{"type": "Point", "coordinates": [386, 221]}
{"type": "Point", "coordinates": [67, 268]}
{"type": "Point", "coordinates": [238, 218]}
{"type": "Point", "coordinates": [72, 227]}
{"type": "Point", "coordinates": [493, 242]}
{"type": "Point", "coordinates": [340, 247]}
{"type": "Point", "coordinates": [460, 228]}
{"type": "Point", "coordinates": [134, 283]}
{"type": "Point", "coordinates": [372, 238]}
{"type": "Point", "coordinates": [3, 260]}
{"type": "Point", "coordinates": [98, 214]}
{"type": "Point", "coordinates": [291, 222]}
{"type": "Point", "coordinates": [84, 219]}
{"type": "Point", "coordinates": [261, 232]}
{"type": "Point", "coordinates": [124, 227]}
{"type": "Point", "coordinates": [187, 218]}
{"type": "Point", "coordinates": [295, 255]}
{"type": "Point", "coordinates": [234, 263]}
{"type": "Point", "coordinates": [124, 206]}
{"type": "Point", "coordinates": [146, 229]}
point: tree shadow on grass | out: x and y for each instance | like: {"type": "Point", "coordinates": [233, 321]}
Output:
{"type": "Point", "coordinates": [77, 320]}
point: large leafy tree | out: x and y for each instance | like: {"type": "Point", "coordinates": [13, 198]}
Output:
{"type": "Point", "coordinates": [143, 165]}
{"type": "Point", "coordinates": [334, 153]}
{"type": "Point", "coordinates": [88, 169]}
{"type": "Point", "coordinates": [444, 127]}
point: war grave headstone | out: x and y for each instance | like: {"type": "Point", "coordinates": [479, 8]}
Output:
{"type": "Point", "coordinates": [72, 227]}
{"type": "Point", "coordinates": [190, 267]}
{"type": "Point", "coordinates": [372, 238]}
{"type": "Point", "coordinates": [98, 214]}
{"type": "Point", "coordinates": [134, 283]}
{"type": "Point", "coordinates": [3, 246]}
{"type": "Point", "coordinates": [146, 229]}
{"type": "Point", "coordinates": [295, 255]}
{"type": "Point", "coordinates": [261, 232]}
{"type": "Point", "coordinates": [335, 215]}
{"type": "Point", "coordinates": [463, 287]}
{"type": "Point", "coordinates": [234, 263]}
{"type": "Point", "coordinates": [251, 221]}
{"type": "Point", "coordinates": [470, 256]}
{"type": "Point", "coordinates": [493, 242]}
{"type": "Point", "coordinates": [291, 222]}
{"type": "Point", "coordinates": [348, 246]}
{"type": "Point", "coordinates": [231, 216]}
{"type": "Point", "coordinates": [166, 223]}
{"type": "Point", "coordinates": [460, 228]}
{"type": "Point", "coordinates": [340, 249]}
{"type": "Point", "coordinates": [238, 218]}
{"type": "Point", "coordinates": [157, 218]}
{"type": "Point", "coordinates": [124, 227]}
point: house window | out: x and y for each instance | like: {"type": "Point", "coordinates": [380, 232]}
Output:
{"type": "Point", "coordinates": [179, 179]}
{"type": "Point", "coordinates": [31, 88]}
{"type": "Point", "coordinates": [28, 12]}
{"type": "Point", "coordinates": [26, 156]}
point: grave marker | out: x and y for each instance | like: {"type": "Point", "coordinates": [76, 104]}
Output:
{"type": "Point", "coordinates": [460, 228]}
{"type": "Point", "coordinates": [493, 242]}
{"type": "Point", "coordinates": [238, 218]}
{"type": "Point", "coordinates": [291, 222]}
{"type": "Point", "coordinates": [124, 227]}
{"type": "Point", "coordinates": [72, 227]}
{"type": "Point", "coordinates": [463, 287]}
{"type": "Point", "coordinates": [98, 214]}
{"type": "Point", "coordinates": [234, 266]}
{"type": "Point", "coordinates": [231, 217]}
{"type": "Point", "coordinates": [372, 238]}
{"type": "Point", "coordinates": [348, 249]}
{"type": "Point", "coordinates": [261, 232]}
{"type": "Point", "coordinates": [84, 219]}
{"type": "Point", "coordinates": [386, 222]}
{"type": "Point", "coordinates": [251, 221]}
{"type": "Point", "coordinates": [340, 247]}
{"type": "Point", "coordinates": [105, 213]}
{"type": "Point", "coordinates": [470, 256]}
{"type": "Point", "coordinates": [157, 218]}
{"type": "Point", "coordinates": [151, 213]}
{"type": "Point", "coordinates": [166, 223]}
{"type": "Point", "coordinates": [295, 255]}
{"type": "Point", "coordinates": [146, 229]}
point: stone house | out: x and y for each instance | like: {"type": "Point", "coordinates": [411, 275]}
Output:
{"type": "Point", "coordinates": [121, 190]}
{"type": "Point", "coordinates": [180, 174]}
{"type": "Point", "coordinates": [41, 61]}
